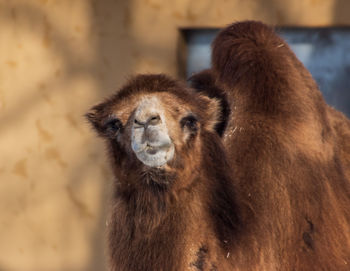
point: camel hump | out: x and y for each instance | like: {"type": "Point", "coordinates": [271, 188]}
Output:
{"type": "Point", "coordinates": [243, 49]}
{"type": "Point", "coordinates": [251, 61]}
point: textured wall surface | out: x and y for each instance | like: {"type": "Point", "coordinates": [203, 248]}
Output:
{"type": "Point", "coordinates": [57, 58]}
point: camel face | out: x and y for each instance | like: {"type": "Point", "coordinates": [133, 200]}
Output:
{"type": "Point", "coordinates": [150, 139]}
{"type": "Point", "coordinates": [155, 129]}
{"type": "Point", "coordinates": [154, 122]}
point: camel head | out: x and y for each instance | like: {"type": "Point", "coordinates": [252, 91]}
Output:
{"type": "Point", "coordinates": [154, 123]}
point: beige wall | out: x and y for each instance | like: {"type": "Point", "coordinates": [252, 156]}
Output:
{"type": "Point", "coordinates": [57, 58]}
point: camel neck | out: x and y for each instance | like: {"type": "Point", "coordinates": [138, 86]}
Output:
{"type": "Point", "coordinates": [161, 232]}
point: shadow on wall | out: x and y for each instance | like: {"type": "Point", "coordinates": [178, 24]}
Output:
{"type": "Point", "coordinates": [109, 64]}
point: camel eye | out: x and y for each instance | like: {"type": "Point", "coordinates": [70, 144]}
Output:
{"type": "Point", "coordinates": [190, 122]}
{"type": "Point", "coordinates": [113, 126]}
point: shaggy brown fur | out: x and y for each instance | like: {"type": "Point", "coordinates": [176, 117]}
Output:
{"type": "Point", "coordinates": [290, 154]}
{"type": "Point", "coordinates": [274, 196]}
{"type": "Point", "coordinates": [180, 217]}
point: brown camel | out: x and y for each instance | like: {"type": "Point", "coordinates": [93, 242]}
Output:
{"type": "Point", "coordinates": [251, 172]}
{"type": "Point", "coordinates": [174, 206]}
{"type": "Point", "coordinates": [289, 150]}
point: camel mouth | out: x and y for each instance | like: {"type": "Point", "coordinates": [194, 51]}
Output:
{"type": "Point", "coordinates": [155, 156]}
{"type": "Point", "coordinates": [151, 150]}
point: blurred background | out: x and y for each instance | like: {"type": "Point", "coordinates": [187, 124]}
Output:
{"type": "Point", "coordinates": [59, 57]}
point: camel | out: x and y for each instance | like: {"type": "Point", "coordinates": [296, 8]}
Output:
{"type": "Point", "coordinates": [248, 169]}
{"type": "Point", "coordinates": [289, 150]}
{"type": "Point", "coordinates": [174, 206]}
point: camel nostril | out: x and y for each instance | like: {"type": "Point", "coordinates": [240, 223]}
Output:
{"type": "Point", "coordinates": [154, 120]}
{"type": "Point", "coordinates": [139, 122]}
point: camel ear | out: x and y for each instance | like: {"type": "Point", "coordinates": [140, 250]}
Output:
{"type": "Point", "coordinates": [94, 118]}
{"type": "Point", "coordinates": [213, 113]}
